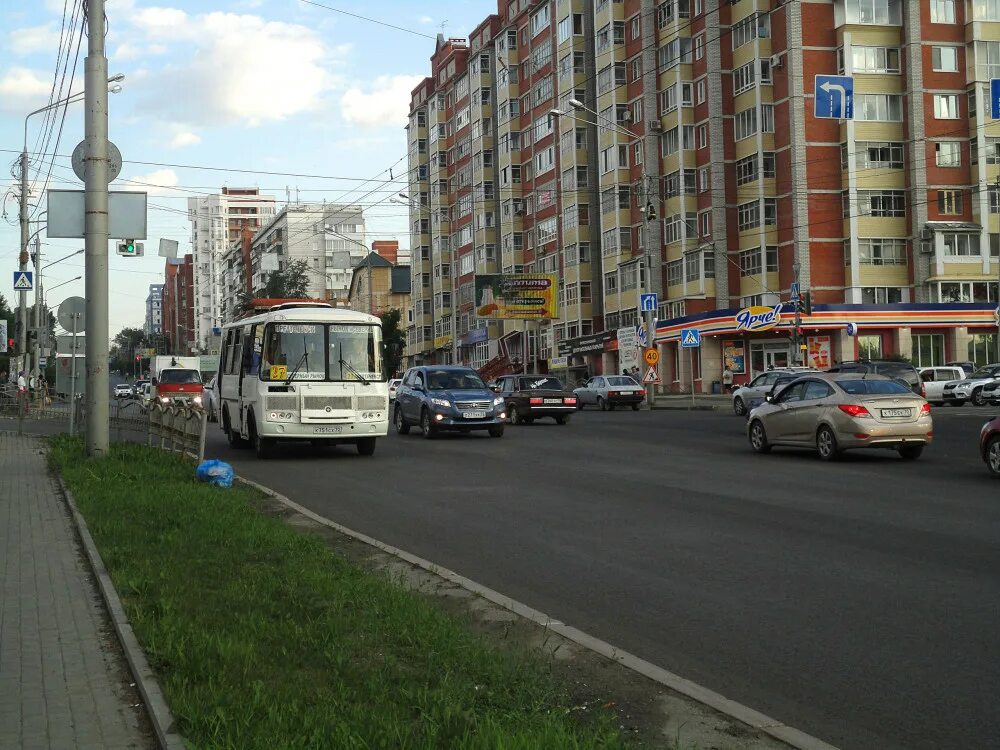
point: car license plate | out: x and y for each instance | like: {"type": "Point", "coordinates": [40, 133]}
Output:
{"type": "Point", "coordinates": [895, 412]}
{"type": "Point", "coordinates": [474, 415]}
{"type": "Point", "coordinates": [332, 429]}
{"type": "Point", "coordinates": [552, 400]}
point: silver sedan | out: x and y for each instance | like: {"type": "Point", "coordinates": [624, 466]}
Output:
{"type": "Point", "coordinates": [834, 412]}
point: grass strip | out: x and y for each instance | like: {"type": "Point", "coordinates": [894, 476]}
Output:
{"type": "Point", "coordinates": [262, 638]}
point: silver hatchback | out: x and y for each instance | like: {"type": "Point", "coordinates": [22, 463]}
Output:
{"type": "Point", "coordinates": [834, 412]}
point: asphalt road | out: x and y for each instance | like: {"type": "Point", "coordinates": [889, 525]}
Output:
{"type": "Point", "coordinates": [857, 601]}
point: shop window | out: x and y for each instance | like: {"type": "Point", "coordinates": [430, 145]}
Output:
{"type": "Point", "coordinates": [869, 347]}
{"type": "Point", "coordinates": [982, 348]}
{"type": "Point", "coordinates": [928, 349]}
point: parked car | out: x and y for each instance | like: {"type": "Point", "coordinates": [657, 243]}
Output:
{"type": "Point", "coordinates": [531, 397]}
{"type": "Point", "coordinates": [447, 397]}
{"type": "Point", "coordinates": [834, 412]}
{"type": "Point", "coordinates": [609, 391]}
{"type": "Point", "coordinates": [146, 394]}
{"type": "Point", "coordinates": [935, 379]}
{"type": "Point", "coordinates": [211, 402]}
{"type": "Point", "coordinates": [971, 388]}
{"type": "Point", "coordinates": [891, 368]}
{"type": "Point", "coordinates": [752, 394]}
{"type": "Point", "coordinates": [393, 387]}
{"type": "Point", "coordinates": [123, 390]}
{"type": "Point", "coordinates": [991, 392]}
{"type": "Point", "coordinates": [989, 445]}
{"type": "Point", "coordinates": [968, 367]}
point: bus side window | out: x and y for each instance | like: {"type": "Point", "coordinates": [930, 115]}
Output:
{"type": "Point", "coordinates": [224, 353]}
{"type": "Point", "coordinates": [257, 337]}
{"type": "Point", "coordinates": [234, 353]}
{"type": "Point", "coordinates": [247, 352]}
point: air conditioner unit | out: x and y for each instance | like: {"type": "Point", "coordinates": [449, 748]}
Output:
{"type": "Point", "coordinates": [927, 233]}
{"type": "Point", "coordinates": [654, 126]}
{"type": "Point", "coordinates": [776, 61]}
{"type": "Point", "coordinates": [927, 247]}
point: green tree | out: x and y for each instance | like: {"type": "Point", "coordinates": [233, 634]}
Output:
{"type": "Point", "coordinates": [394, 339]}
{"type": "Point", "coordinates": [123, 348]}
{"type": "Point", "coordinates": [292, 282]}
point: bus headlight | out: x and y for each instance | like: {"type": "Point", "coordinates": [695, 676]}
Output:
{"type": "Point", "coordinates": [280, 416]}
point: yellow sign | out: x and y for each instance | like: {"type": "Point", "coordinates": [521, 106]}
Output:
{"type": "Point", "coordinates": [517, 296]}
{"type": "Point", "coordinates": [651, 356]}
{"type": "Point", "coordinates": [442, 341]}
{"type": "Point", "coordinates": [279, 372]}
{"type": "Point", "coordinates": [758, 318]}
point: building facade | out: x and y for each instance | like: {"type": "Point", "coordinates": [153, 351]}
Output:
{"type": "Point", "coordinates": [216, 222]}
{"type": "Point", "coordinates": [672, 147]}
{"type": "Point", "coordinates": [378, 285]}
{"type": "Point", "coordinates": [328, 237]}
{"type": "Point", "coordinates": [179, 305]}
{"type": "Point", "coordinates": [154, 310]}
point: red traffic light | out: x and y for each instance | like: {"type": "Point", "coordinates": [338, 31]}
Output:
{"type": "Point", "coordinates": [10, 345]}
{"type": "Point", "coordinates": [137, 357]}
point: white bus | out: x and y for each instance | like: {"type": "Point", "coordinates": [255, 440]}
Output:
{"type": "Point", "coordinates": [303, 371]}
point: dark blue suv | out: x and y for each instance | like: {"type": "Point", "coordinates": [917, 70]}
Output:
{"type": "Point", "coordinates": [447, 397]}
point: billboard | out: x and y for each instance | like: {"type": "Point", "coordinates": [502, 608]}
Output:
{"type": "Point", "coordinates": [520, 296]}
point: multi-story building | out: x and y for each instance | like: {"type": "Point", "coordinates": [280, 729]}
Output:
{"type": "Point", "coordinates": [691, 164]}
{"type": "Point", "coordinates": [378, 285]}
{"type": "Point", "coordinates": [216, 222]}
{"type": "Point", "coordinates": [328, 237]}
{"type": "Point", "coordinates": [179, 305]}
{"type": "Point", "coordinates": [154, 310]}
{"type": "Point", "coordinates": [237, 273]}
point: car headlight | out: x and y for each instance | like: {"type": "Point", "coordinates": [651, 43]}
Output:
{"type": "Point", "coordinates": [498, 401]}
{"type": "Point", "coordinates": [164, 399]}
{"type": "Point", "coordinates": [197, 400]}
{"type": "Point", "coordinates": [441, 402]}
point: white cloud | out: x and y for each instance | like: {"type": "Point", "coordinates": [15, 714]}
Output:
{"type": "Point", "coordinates": [232, 69]}
{"type": "Point", "coordinates": [44, 38]}
{"type": "Point", "coordinates": [387, 101]}
{"type": "Point", "coordinates": [20, 88]}
{"type": "Point", "coordinates": [185, 138]}
{"type": "Point", "coordinates": [154, 183]}
{"type": "Point", "coordinates": [425, 20]}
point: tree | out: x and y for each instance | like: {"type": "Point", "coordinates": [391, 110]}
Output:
{"type": "Point", "coordinates": [290, 283]}
{"type": "Point", "coordinates": [394, 339]}
{"type": "Point", "coordinates": [123, 348]}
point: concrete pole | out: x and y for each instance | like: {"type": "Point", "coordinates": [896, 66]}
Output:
{"type": "Point", "coordinates": [796, 350]}
{"type": "Point", "coordinates": [22, 339]}
{"type": "Point", "coordinates": [96, 231]}
{"type": "Point", "coordinates": [39, 300]}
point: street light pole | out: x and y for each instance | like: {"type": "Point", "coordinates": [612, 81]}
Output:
{"type": "Point", "coordinates": [96, 230]}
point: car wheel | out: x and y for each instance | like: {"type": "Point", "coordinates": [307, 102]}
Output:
{"type": "Point", "coordinates": [429, 430]}
{"type": "Point", "coordinates": [993, 455]}
{"type": "Point", "coordinates": [635, 407]}
{"type": "Point", "coordinates": [579, 404]}
{"type": "Point", "coordinates": [562, 419]}
{"type": "Point", "coordinates": [938, 403]}
{"type": "Point", "coordinates": [739, 408]}
{"type": "Point", "coordinates": [496, 432]}
{"type": "Point", "coordinates": [513, 416]}
{"type": "Point", "coordinates": [758, 437]}
{"type": "Point", "coordinates": [977, 397]}
{"type": "Point", "coordinates": [402, 426]}
{"type": "Point", "coordinates": [826, 444]}
{"type": "Point", "coordinates": [910, 452]}
{"type": "Point", "coordinates": [602, 404]}
{"type": "Point", "coordinates": [366, 446]}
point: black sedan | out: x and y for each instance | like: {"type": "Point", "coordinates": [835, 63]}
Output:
{"type": "Point", "coordinates": [531, 397]}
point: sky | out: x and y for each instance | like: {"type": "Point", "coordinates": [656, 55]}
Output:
{"type": "Point", "coordinates": [280, 86]}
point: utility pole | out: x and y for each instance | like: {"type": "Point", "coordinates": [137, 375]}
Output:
{"type": "Point", "coordinates": [648, 214]}
{"type": "Point", "coordinates": [96, 230]}
{"type": "Point", "coordinates": [796, 348]}
{"type": "Point", "coordinates": [22, 338]}
{"type": "Point", "coordinates": [39, 300]}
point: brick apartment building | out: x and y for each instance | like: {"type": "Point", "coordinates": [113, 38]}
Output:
{"type": "Point", "coordinates": [178, 304]}
{"type": "Point", "coordinates": [698, 114]}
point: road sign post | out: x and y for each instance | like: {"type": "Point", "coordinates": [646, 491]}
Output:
{"type": "Point", "coordinates": [23, 281]}
{"type": "Point", "coordinates": [834, 97]}
{"type": "Point", "coordinates": [691, 339]}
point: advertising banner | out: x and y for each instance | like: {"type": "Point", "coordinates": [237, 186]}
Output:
{"type": "Point", "coordinates": [734, 357]}
{"type": "Point", "coordinates": [820, 352]}
{"type": "Point", "coordinates": [628, 348]}
{"type": "Point", "coordinates": [523, 296]}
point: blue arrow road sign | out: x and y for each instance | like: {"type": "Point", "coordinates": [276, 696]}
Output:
{"type": "Point", "coordinates": [995, 98]}
{"type": "Point", "coordinates": [690, 338]}
{"type": "Point", "coordinates": [640, 334]}
{"type": "Point", "coordinates": [835, 97]}
{"type": "Point", "coordinates": [22, 281]}
{"type": "Point", "coordinates": [647, 303]}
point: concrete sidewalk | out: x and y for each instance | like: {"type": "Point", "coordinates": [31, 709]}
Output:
{"type": "Point", "coordinates": [63, 680]}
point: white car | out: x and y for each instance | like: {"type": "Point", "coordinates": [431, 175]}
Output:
{"type": "Point", "coordinates": [935, 379]}
{"type": "Point", "coordinates": [212, 399]}
{"type": "Point", "coordinates": [753, 393]}
{"type": "Point", "coordinates": [123, 390]}
{"type": "Point", "coordinates": [393, 387]}
{"type": "Point", "coordinates": [610, 391]}
{"type": "Point", "coordinates": [958, 392]}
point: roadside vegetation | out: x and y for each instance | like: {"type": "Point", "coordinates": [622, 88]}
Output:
{"type": "Point", "coordinates": [261, 638]}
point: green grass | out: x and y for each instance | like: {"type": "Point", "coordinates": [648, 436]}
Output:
{"type": "Point", "coordinates": [261, 638]}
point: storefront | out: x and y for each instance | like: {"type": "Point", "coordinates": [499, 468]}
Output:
{"type": "Point", "coordinates": [586, 355]}
{"type": "Point", "coordinates": [754, 340]}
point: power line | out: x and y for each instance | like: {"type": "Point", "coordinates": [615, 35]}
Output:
{"type": "Point", "coordinates": [366, 18]}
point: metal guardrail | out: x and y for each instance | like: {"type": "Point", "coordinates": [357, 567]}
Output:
{"type": "Point", "coordinates": [177, 428]}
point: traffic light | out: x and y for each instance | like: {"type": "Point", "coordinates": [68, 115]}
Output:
{"type": "Point", "coordinates": [10, 345]}
{"type": "Point", "coordinates": [138, 358]}
{"type": "Point", "coordinates": [807, 307]}
{"type": "Point", "coordinates": [130, 248]}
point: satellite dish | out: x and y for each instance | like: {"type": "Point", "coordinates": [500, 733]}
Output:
{"type": "Point", "coordinates": [73, 314]}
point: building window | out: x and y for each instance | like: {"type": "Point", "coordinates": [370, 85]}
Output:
{"type": "Point", "coordinates": [869, 347]}
{"type": "Point", "coordinates": [946, 106]}
{"type": "Point", "coordinates": [988, 60]}
{"type": "Point", "coordinates": [949, 202]}
{"type": "Point", "coordinates": [960, 244]}
{"type": "Point", "coordinates": [878, 107]}
{"type": "Point", "coordinates": [943, 11]}
{"type": "Point", "coordinates": [881, 295]}
{"type": "Point", "coordinates": [982, 348]}
{"type": "Point", "coordinates": [702, 90]}
{"type": "Point", "coordinates": [880, 203]}
{"type": "Point", "coordinates": [877, 251]}
{"type": "Point", "coordinates": [876, 12]}
{"type": "Point", "coordinates": [928, 350]}
{"type": "Point", "coordinates": [875, 155]}
{"type": "Point", "coordinates": [948, 154]}
{"type": "Point", "coordinates": [982, 10]}
{"type": "Point", "coordinates": [944, 59]}
{"type": "Point", "coordinates": [875, 59]}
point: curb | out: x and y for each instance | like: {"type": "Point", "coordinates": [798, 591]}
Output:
{"type": "Point", "coordinates": [737, 711]}
{"type": "Point", "coordinates": [157, 709]}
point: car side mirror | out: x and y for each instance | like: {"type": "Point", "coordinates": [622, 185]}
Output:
{"type": "Point", "coordinates": [769, 398]}
{"type": "Point", "coordinates": [495, 388]}
{"type": "Point", "coordinates": [153, 381]}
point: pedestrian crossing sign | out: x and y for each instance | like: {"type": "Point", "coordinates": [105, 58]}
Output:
{"type": "Point", "coordinates": [690, 338]}
{"type": "Point", "coordinates": [22, 281]}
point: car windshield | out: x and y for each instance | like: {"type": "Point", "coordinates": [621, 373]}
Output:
{"type": "Point", "coordinates": [538, 384]}
{"type": "Point", "coordinates": [621, 380]}
{"type": "Point", "coordinates": [981, 375]}
{"type": "Point", "coordinates": [860, 386]}
{"type": "Point", "coordinates": [319, 351]}
{"type": "Point", "coordinates": [179, 377]}
{"type": "Point", "coordinates": [457, 380]}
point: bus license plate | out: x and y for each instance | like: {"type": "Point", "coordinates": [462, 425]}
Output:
{"type": "Point", "coordinates": [474, 415]}
{"type": "Point", "coordinates": [334, 429]}
{"type": "Point", "coordinates": [895, 412]}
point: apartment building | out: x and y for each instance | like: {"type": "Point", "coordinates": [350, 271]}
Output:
{"type": "Point", "coordinates": [154, 310]}
{"type": "Point", "coordinates": [178, 305]}
{"type": "Point", "coordinates": [328, 237]}
{"type": "Point", "coordinates": [672, 147]}
{"type": "Point", "coordinates": [378, 284]}
{"type": "Point", "coordinates": [216, 222]}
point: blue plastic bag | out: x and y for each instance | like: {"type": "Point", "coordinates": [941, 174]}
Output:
{"type": "Point", "coordinates": [215, 472]}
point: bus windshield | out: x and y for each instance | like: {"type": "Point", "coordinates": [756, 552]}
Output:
{"type": "Point", "coordinates": [322, 351]}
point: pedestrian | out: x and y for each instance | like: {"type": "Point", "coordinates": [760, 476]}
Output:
{"type": "Point", "coordinates": [727, 380]}
{"type": "Point", "coordinates": [22, 389]}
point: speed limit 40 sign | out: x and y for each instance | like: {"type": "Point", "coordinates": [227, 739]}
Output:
{"type": "Point", "coordinates": [651, 357]}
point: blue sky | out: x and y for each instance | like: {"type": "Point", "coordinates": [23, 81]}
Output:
{"type": "Point", "coordinates": [266, 85]}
